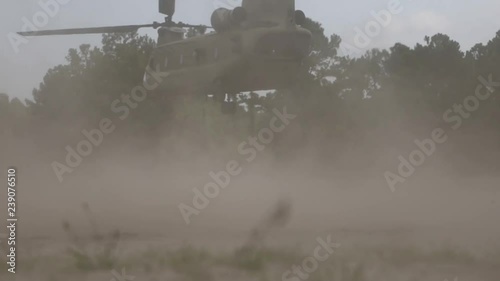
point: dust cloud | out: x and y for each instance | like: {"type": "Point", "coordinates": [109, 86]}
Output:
{"type": "Point", "coordinates": [137, 189]}
{"type": "Point", "coordinates": [140, 192]}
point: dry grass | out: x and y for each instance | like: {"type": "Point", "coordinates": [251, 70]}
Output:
{"type": "Point", "coordinates": [92, 254]}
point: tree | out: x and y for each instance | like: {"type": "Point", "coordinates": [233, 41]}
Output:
{"type": "Point", "coordinates": [13, 115]}
{"type": "Point", "coordinates": [337, 99]}
{"type": "Point", "coordinates": [93, 78]}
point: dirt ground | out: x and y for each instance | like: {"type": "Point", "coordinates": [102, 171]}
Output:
{"type": "Point", "coordinates": [436, 226]}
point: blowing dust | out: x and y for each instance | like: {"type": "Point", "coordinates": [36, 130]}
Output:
{"type": "Point", "coordinates": [139, 192]}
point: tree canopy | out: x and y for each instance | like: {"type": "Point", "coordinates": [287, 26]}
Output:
{"type": "Point", "coordinates": [336, 98]}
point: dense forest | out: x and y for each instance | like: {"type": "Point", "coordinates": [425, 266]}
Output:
{"type": "Point", "coordinates": [351, 111]}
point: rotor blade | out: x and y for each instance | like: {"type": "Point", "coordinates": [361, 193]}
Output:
{"type": "Point", "coordinates": [182, 25]}
{"type": "Point", "coordinates": [91, 30]}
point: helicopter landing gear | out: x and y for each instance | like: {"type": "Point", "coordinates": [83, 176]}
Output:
{"type": "Point", "coordinates": [227, 101]}
{"type": "Point", "coordinates": [229, 105]}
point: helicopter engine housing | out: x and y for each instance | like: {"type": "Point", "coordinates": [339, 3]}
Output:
{"type": "Point", "coordinates": [224, 19]}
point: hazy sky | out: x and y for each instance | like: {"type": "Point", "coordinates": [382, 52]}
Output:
{"type": "Point", "coordinates": [467, 22]}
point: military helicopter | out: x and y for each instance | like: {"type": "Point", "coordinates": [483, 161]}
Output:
{"type": "Point", "coordinates": [259, 45]}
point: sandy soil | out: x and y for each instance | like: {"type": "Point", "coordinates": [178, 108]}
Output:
{"type": "Point", "coordinates": [141, 198]}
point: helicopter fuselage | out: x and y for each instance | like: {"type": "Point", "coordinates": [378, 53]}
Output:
{"type": "Point", "coordinates": [259, 45]}
{"type": "Point", "coordinates": [239, 60]}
